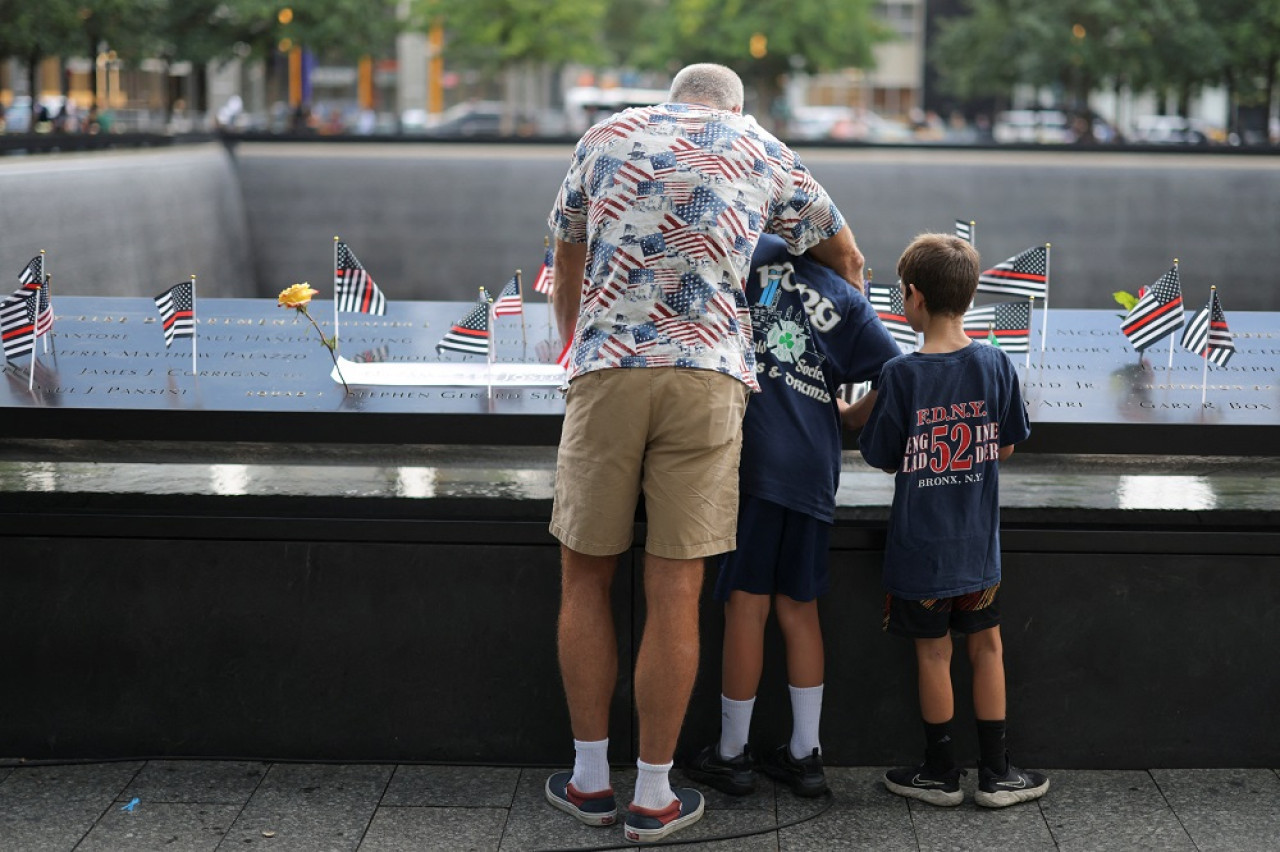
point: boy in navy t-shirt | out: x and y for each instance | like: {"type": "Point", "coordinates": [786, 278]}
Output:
{"type": "Point", "coordinates": [813, 332]}
{"type": "Point", "coordinates": [944, 418]}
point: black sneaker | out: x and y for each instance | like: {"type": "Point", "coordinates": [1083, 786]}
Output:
{"type": "Point", "coordinates": [1014, 786]}
{"type": "Point", "coordinates": [735, 777]}
{"type": "Point", "coordinates": [645, 826]}
{"type": "Point", "coordinates": [919, 782]}
{"type": "Point", "coordinates": [805, 776]}
{"type": "Point", "coordinates": [588, 808]}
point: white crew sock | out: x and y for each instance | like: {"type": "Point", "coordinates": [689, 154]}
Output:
{"type": "Point", "coordinates": [653, 786]}
{"type": "Point", "coordinates": [735, 726]}
{"type": "Point", "coordinates": [806, 714]}
{"type": "Point", "coordinates": [590, 766]}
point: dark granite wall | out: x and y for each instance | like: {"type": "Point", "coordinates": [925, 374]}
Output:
{"type": "Point", "coordinates": [346, 629]}
{"type": "Point", "coordinates": [128, 223]}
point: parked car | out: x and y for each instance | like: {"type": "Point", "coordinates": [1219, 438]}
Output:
{"type": "Point", "coordinates": [469, 119]}
{"type": "Point", "coordinates": [1171, 130]}
{"type": "Point", "coordinates": [1042, 126]}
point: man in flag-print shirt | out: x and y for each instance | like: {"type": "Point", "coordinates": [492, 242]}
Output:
{"type": "Point", "coordinates": [655, 225]}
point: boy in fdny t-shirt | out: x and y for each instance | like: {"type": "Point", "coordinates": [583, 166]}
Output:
{"type": "Point", "coordinates": [812, 332]}
{"type": "Point", "coordinates": [944, 418]}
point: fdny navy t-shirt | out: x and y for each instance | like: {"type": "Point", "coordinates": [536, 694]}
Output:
{"type": "Point", "coordinates": [812, 333]}
{"type": "Point", "coordinates": [940, 420]}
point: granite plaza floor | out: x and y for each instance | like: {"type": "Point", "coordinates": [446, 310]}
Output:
{"type": "Point", "coordinates": [232, 805]}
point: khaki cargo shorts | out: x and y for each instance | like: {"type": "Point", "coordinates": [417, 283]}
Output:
{"type": "Point", "coordinates": [674, 435]}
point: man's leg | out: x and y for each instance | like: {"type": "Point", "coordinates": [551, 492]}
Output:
{"type": "Point", "coordinates": [588, 654]}
{"type": "Point", "coordinates": [668, 660]}
{"type": "Point", "coordinates": [588, 645]}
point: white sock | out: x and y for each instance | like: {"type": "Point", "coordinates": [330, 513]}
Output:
{"type": "Point", "coordinates": [806, 713]}
{"type": "Point", "coordinates": [653, 786]}
{"type": "Point", "coordinates": [590, 766]}
{"type": "Point", "coordinates": [735, 726]}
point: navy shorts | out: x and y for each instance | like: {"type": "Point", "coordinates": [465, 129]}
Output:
{"type": "Point", "coordinates": [933, 619]}
{"type": "Point", "coordinates": [780, 551]}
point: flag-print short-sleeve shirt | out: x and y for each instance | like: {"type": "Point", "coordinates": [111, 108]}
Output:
{"type": "Point", "coordinates": [671, 201]}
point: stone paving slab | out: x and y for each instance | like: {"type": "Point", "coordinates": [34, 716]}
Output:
{"type": "Point", "coordinates": [219, 806]}
{"type": "Point", "coordinates": [1232, 810]}
{"type": "Point", "coordinates": [209, 782]}
{"type": "Point", "coordinates": [452, 786]}
{"type": "Point", "coordinates": [158, 825]}
{"type": "Point", "coordinates": [1090, 810]}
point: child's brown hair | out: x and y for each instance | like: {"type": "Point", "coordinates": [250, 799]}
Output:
{"type": "Point", "coordinates": [944, 268]}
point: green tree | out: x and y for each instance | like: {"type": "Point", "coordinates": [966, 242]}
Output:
{"type": "Point", "coordinates": [517, 40]}
{"type": "Point", "coordinates": [1250, 34]}
{"type": "Point", "coordinates": [127, 27]}
{"type": "Point", "coordinates": [762, 40]}
{"type": "Point", "coordinates": [499, 34]}
{"type": "Point", "coordinates": [1076, 46]}
{"type": "Point", "coordinates": [33, 31]}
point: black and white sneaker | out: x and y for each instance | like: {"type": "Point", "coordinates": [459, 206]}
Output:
{"type": "Point", "coordinates": [735, 777]}
{"type": "Point", "coordinates": [1014, 786]}
{"type": "Point", "coordinates": [920, 782]}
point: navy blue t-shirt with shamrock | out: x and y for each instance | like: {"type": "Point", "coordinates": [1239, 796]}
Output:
{"type": "Point", "coordinates": [812, 332]}
{"type": "Point", "coordinates": [939, 421]}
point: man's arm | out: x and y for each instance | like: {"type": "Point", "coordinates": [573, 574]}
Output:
{"type": "Point", "coordinates": [570, 267]}
{"type": "Point", "coordinates": [840, 253]}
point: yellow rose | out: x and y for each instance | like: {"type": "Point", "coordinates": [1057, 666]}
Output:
{"type": "Point", "coordinates": [296, 296]}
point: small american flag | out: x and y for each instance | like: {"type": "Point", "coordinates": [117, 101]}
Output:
{"type": "Point", "coordinates": [887, 301]}
{"type": "Point", "coordinates": [18, 325]}
{"type": "Point", "coordinates": [1008, 323]}
{"type": "Point", "coordinates": [353, 288]}
{"type": "Point", "coordinates": [509, 301]}
{"type": "Point", "coordinates": [1157, 314]}
{"type": "Point", "coordinates": [469, 334]}
{"type": "Point", "coordinates": [545, 282]}
{"type": "Point", "coordinates": [177, 312]}
{"type": "Point", "coordinates": [964, 230]}
{"type": "Point", "coordinates": [1025, 274]}
{"type": "Point", "coordinates": [1207, 334]}
{"type": "Point", "coordinates": [30, 280]}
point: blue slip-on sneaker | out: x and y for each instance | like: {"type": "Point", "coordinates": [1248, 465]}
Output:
{"type": "Point", "coordinates": [1014, 786]}
{"type": "Point", "coordinates": [927, 785]}
{"type": "Point", "coordinates": [734, 776]}
{"type": "Point", "coordinates": [644, 825]}
{"type": "Point", "coordinates": [588, 808]}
